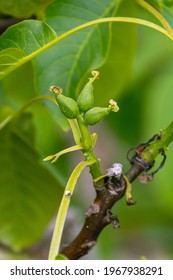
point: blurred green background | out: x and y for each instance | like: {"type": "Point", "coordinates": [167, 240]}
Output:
{"type": "Point", "coordinates": [138, 74]}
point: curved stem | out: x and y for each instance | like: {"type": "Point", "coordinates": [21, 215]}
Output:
{"type": "Point", "coordinates": [59, 224]}
{"type": "Point", "coordinates": [75, 130]}
{"type": "Point", "coordinates": [22, 109]}
{"type": "Point", "coordinates": [85, 25]}
{"type": "Point", "coordinates": [154, 12]}
{"type": "Point", "coordinates": [56, 156]}
{"type": "Point", "coordinates": [99, 21]}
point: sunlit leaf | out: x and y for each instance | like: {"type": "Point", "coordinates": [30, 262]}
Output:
{"type": "Point", "coordinates": [21, 40]}
{"type": "Point", "coordinates": [9, 57]}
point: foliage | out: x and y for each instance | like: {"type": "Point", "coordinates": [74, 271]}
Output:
{"type": "Point", "coordinates": [136, 65]}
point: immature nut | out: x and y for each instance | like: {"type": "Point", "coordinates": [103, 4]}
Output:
{"type": "Point", "coordinates": [95, 114]}
{"type": "Point", "coordinates": [86, 98]}
{"type": "Point", "coordinates": [68, 106]}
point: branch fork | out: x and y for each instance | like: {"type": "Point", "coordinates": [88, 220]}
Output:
{"type": "Point", "coordinates": [99, 214]}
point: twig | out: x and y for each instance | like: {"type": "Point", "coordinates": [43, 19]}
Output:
{"type": "Point", "coordinates": [98, 216]}
{"type": "Point", "coordinates": [99, 213]}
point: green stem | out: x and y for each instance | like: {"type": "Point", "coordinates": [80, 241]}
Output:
{"type": "Point", "coordinates": [56, 156]}
{"type": "Point", "coordinates": [85, 25]}
{"type": "Point", "coordinates": [99, 21]}
{"type": "Point", "coordinates": [159, 16]}
{"type": "Point", "coordinates": [22, 109]}
{"type": "Point", "coordinates": [75, 130]}
{"type": "Point", "coordinates": [160, 143]}
{"type": "Point", "coordinates": [62, 213]}
{"type": "Point", "coordinates": [95, 168]}
{"type": "Point", "coordinates": [104, 201]}
{"type": "Point", "coordinates": [86, 139]}
{"type": "Point", "coordinates": [87, 143]}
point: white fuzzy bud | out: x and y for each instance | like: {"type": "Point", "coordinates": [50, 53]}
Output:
{"type": "Point", "coordinates": [115, 170]}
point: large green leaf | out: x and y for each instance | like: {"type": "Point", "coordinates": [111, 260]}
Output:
{"type": "Point", "coordinates": [17, 88]}
{"type": "Point", "coordinates": [65, 63]}
{"type": "Point", "coordinates": [20, 41]}
{"type": "Point", "coordinates": [23, 9]}
{"type": "Point", "coordinates": [29, 192]}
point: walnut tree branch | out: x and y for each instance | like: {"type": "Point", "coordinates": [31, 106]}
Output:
{"type": "Point", "coordinates": [99, 213]}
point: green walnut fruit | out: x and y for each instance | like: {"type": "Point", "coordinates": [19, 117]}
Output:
{"type": "Point", "coordinates": [95, 114]}
{"type": "Point", "coordinates": [85, 99]}
{"type": "Point", "coordinates": [68, 106]}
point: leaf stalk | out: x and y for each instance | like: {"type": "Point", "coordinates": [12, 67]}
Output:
{"type": "Point", "coordinates": [86, 25]}
{"type": "Point", "coordinates": [62, 213]}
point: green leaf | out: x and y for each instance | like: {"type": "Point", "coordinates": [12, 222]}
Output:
{"type": "Point", "coordinates": [17, 88]}
{"type": "Point", "coordinates": [29, 192]}
{"type": "Point", "coordinates": [65, 63]}
{"type": "Point", "coordinates": [20, 41]}
{"type": "Point", "coordinates": [9, 57]}
{"type": "Point", "coordinates": [23, 9]}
